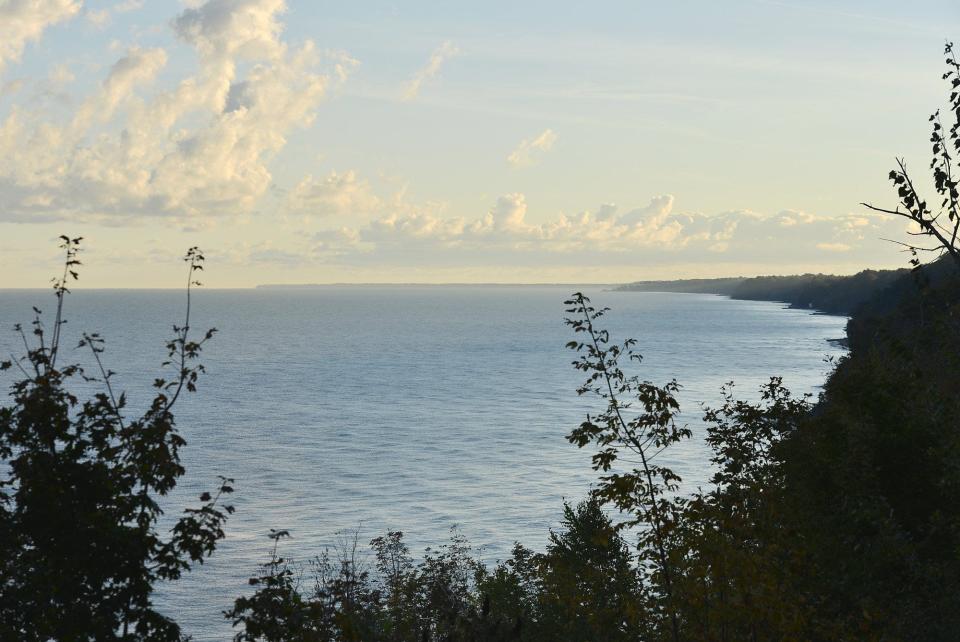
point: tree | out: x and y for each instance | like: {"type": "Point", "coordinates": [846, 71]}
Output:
{"type": "Point", "coordinates": [80, 551]}
{"type": "Point", "coordinates": [942, 233]}
{"type": "Point", "coordinates": [621, 433]}
{"type": "Point", "coordinates": [590, 586]}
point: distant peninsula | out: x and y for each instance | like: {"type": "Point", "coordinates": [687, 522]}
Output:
{"type": "Point", "coordinates": [825, 293]}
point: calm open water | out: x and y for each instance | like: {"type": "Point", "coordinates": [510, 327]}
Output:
{"type": "Point", "coordinates": [410, 408]}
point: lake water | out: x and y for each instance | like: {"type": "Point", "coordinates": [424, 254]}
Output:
{"type": "Point", "coordinates": [411, 408]}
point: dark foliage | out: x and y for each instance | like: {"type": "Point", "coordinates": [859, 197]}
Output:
{"type": "Point", "coordinates": [80, 553]}
{"type": "Point", "coordinates": [584, 587]}
{"type": "Point", "coordinates": [886, 442]}
{"type": "Point", "coordinates": [939, 223]}
{"type": "Point", "coordinates": [822, 292]}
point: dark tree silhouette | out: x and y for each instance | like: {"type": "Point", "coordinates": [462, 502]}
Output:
{"type": "Point", "coordinates": [941, 232]}
{"type": "Point", "coordinates": [80, 552]}
{"type": "Point", "coordinates": [620, 432]}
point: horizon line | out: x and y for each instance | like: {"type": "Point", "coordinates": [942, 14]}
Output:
{"type": "Point", "coordinates": [278, 286]}
{"type": "Point", "coordinates": [267, 286]}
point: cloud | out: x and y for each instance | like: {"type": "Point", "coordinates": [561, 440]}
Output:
{"type": "Point", "coordinates": [528, 151]}
{"type": "Point", "coordinates": [505, 227]}
{"type": "Point", "coordinates": [439, 56]}
{"type": "Point", "coordinates": [139, 67]}
{"type": "Point", "coordinates": [11, 87]}
{"type": "Point", "coordinates": [22, 22]}
{"type": "Point", "coordinates": [334, 195]}
{"type": "Point", "coordinates": [833, 247]}
{"type": "Point", "coordinates": [656, 235]}
{"type": "Point", "coordinates": [653, 214]}
{"type": "Point", "coordinates": [227, 29]}
{"type": "Point", "coordinates": [199, 148]}
{"type": "Point", "coordinates": [128, 5]}
{"type": "Point", "coordinates": [99, 18]}
{"type": "Point", "coordinates": [343, 64]}
{"type": "Point", "coordinates": [60, 75]}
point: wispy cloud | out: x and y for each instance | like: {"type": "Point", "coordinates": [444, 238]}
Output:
{"type": "Point", "coordinates": [128, 5]}
{"type": "Point", "coordinates": [99, 18]}
{"type": "Point", "coordinates": [440, 55]}
{"type": "Point", "coordinates": [833, 247]}
{"type": "Point", "coordinates": [529, 150]}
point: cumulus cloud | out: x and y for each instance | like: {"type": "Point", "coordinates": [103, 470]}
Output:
{"type": "Point", "coordinates": [333, 195]}
{"type": "Point", "coordinates": [137, 68]}
{"type": "Point", "coordinates": [227, 29]}
{"type": "Point", "coordinates": [655, 234]}
{"type": "Point", "coordinates": [505, 226]}
{"type": "Point", "coordinates": [529, 150]}
{"type": "Point", "coordinates": [439, 56]}
{"type": "Point", "coordinates": [22, 22]}
{"type": "Point", "coordinates": [201, 147]}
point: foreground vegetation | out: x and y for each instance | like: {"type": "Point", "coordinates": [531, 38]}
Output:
{"type": "Point", "coordinates": [829, 521]}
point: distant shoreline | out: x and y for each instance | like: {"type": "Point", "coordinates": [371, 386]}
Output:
{"type": "Point", "coordinates": [823, 293]}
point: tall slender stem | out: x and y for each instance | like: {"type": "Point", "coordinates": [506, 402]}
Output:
{"type": "Point", "coordinates": [657, 519]}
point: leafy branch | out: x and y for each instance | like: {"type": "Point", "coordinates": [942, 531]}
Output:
{"type": "Point", "coordinates": [940, 227]}
{"type": "Point", "coordinates": [618, 430]}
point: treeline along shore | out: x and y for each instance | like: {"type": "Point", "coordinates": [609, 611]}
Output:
{"type": "Point", "coordinates": [828, 293]}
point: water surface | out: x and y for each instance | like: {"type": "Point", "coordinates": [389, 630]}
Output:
{"type": "Point", "coordinates": [411, 408]}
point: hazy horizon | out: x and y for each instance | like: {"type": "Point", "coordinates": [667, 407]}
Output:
{"type": "Point", "coordinates": [80, 287]}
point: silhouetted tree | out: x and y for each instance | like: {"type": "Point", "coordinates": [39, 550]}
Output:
{"type": "Point", "coordinates": [618, 431]}
{"type": "Point", "coordinates": [942, 233]}
{"type": "Point", "coordinates": [80, 552]}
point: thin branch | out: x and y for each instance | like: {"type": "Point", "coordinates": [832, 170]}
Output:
{"type": "Point", "coordinates": [912, 247]}
{"type": "Point", "coordinates": [15, 361]}
{"type": "Point", "coordinates": [185, 330]}
{"type": "Point", "coordinates": [26, 345]}
{"type": "Point", "coordinates": [106, 379]}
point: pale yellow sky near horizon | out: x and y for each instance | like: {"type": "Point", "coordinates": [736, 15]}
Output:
{"type": "Point", "coordinates": [439, 142]}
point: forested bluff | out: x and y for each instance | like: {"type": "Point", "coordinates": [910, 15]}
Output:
{"type": "Point", "coordinates": [826, 293]}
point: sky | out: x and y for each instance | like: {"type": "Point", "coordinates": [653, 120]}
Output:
{"type": "Point", "coordinates": [515, 142]}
